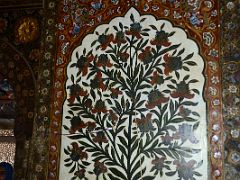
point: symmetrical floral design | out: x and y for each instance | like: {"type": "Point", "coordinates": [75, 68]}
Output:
{"type": "Point", "coordinates": [128, 105]}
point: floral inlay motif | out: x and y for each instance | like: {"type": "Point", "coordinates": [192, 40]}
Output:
{"type": "Point", "coordinates": [134, 106]}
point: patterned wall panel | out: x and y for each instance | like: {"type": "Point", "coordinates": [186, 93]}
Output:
{"type": "Point", "coordinates": [231, 86]}
{"type": "Point", "coordinates": [77, 19]}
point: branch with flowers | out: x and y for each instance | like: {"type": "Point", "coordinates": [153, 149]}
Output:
{"type": "Point", "coordinates": [125, 103]}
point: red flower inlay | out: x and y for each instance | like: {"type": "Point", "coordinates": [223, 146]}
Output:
{"type": "Point", "coordinates": [157, 79]}
{"type": "Point", "coordinates": [76, 124]}
{"type": "Point", "coordinates": [119, 38]}
{"type": "Point", "coordinates": [182, 91]}
{"type": "Point", "coordinates": [83, 64]}
{"type": "Point", "coordinates": [161, 39]}
{"type": "Point", "coordinates": [135, 30]}
{"type": "Point", "coordinates": [115, 92]}
{"type": "Point", "coordinates": [97, 82]}
{"type": "Point", "coordinates": [146, 56]}
{"type": "Point", "coordinates": [105, 40]}
{"type": "Point", "coordinates": [100, 107]}
{"type": "Point", "coordinates": [75, 91]}
{"type": "Point", "coordinates": [155, 98]}
{"type": "Point", "coordinates": [100, 137]}
{"type": "Point", "coordinates": [103, 61]}
{"type": "Point", "coordinates": [171, 64]}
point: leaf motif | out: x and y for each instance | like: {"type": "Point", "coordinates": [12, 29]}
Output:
{"type": "Point", "coordinates": [195, 126]}
{"type": "Point", "coordinates": [72, 169]}
{"type": "Point", "coordinates": [180, 52]}
{"type": "Point", "coordinates": [66, 152]}
{"type": "Point", "coordinates": [148, 178]}
{"type": "Point", "coordinates": [190, 63]}
{"type": "Point", "coordinates": [68, 164]}
{"type": "Point", "coordinates": [132, 18]}
{"type": "Point", "coordinates": [153, 27]}
{"type": "Point", "coordinates": [188, 56]}
{"type": "Point", "coordinates": [172, 173]}
{"type": "Point", "coordinates": [118, 173]}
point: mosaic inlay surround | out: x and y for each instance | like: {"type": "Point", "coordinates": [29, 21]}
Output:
{"type": "Point", "coordinates": [231, 85]}
{"type": "Point", "coordinates": [194, 24]}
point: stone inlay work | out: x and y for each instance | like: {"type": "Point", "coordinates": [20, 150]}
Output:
{"type": "Point", "coordinates": [230, 48]}
{"type": "Point", "coordinates": [200, 20]}
{"type": "Point", "coordinates": [134, 108]}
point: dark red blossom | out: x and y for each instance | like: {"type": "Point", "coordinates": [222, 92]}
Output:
{"type": "Point", "coordinates": [103, 61]}
{"type": "Point", "coordinates": [123, 56]}
{"type": "Point", "coordinates": [75, 91]}
{"type": "Point", "coordinates": [83, 63]}
{"type": "Point", "coordinates": [146, 56]}
{"type": "Point", "coordinates": [99, 168]}
{"type": "Point", "coordinates": [157, 79]}
{"type": "Point", "coordinates": [97, 82]}
{"type": "Point", "coordinates": [182, 91]}
{"type": "Point", "coordinates": [135, 30]}
{"type": "Point", "coordinates": [171, 64]}
{"type": "Point", "coordinates": [184, 112]}
{"type": "Point", "coordinates": [115, 92]}
{"type": "Point", "coordinates": [100, 137]}
{"type": "Point", "coordinates": [88, 103]}
{"type": "Point", "coordinates": [185, 169]}
{"type": "Point", "coordinates": [161, 39]}
{"type": "Point", "coordinates": [76, 124]}
{"type": "Point", "coordinates": [156, 98]}
{"type": "Point", "coordinates": [77, 152]}
{"type": "Point", "coordinates": [113, 117]}
{"type": "Point", "coordinates": [105, 40]}
{"type": "Point", "coordinates": [91, 126]}
{"type": "Point", "coordinates": [119, 38]}
{"type": "Point", "coordinates": [167, 139]}
{"type": "Point", "coordinates": [80, 173]}
{"type": "Point", "coordinates": [145, 123]}
{"type": "Point", "coordinates": [100, 107]}
{"type": "Point", "coordinates": [158, 163]}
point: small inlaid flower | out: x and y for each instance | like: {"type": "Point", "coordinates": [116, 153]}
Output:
{"type": "Point", "coordinates": [119, 38]}
{"type": "Point", "coordinates": [100, 107]}
{"type": "Point", "coordinates": [91, 126]}
{"type": "Point", "coordinates": [104, 61]}
{"type": "Point", "coordinates": [105, 40]}
{"type": "Point", "coordinates": [123, 56]}
{"type": "Point", "coordinates": [99, 168]}
{"type": "Point", "coordinates": [75, 91]}
{"type": "Point", "coordinates": [88, 103]}
{"type": "Point", "coordinates": [157, 78]}
{"type": "Point", "coordinates": [146, 56]}
{"type": "Point", "coordinates": [182, 91]}
{"type": "Point", "coordinates": [171, 64]}
{"type": "Point", "coordinates": [100, 137]}
{"type": "Point", "coordinates": [76, 124]}
{"type": "Point", "coordinates": [113, 117]}
{"type": "Point", "coordinates": [167, 139]}
{"type": "Point", "coordinates": [161, 39]}
{"type": "Point", "coordinates": [80, 173]}
{"type": "Point", "coordinates": [97, 82]}
{"type": "Point", "coordinates": [156, 98]}
{"type": "Point", "coordinates": [158, 163]}
{"type": "Point", "coordinates": [145, 123]}
{"type": "Point", "coordinates": [184, 112]}
{"type": "Point", "coordinates": [83, 63]}
{"type": "Point", "coordinates": [77, 152]}
{"type": "Point", "coordinates": [115, 92]}
{"type": "Point", "coordinates": [135, 30]}
{"type": "Point", "coordinates": [185, 169]}
{"type": "Point", "coordinates": [185, 132]}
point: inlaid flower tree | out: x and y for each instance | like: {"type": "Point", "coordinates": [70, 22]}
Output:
{"type": "Point", "coordinates": [131, 112]}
